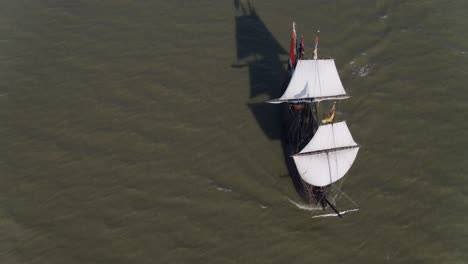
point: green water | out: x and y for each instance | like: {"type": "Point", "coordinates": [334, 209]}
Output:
{"type": "Point", "coordinates": [131, 132]}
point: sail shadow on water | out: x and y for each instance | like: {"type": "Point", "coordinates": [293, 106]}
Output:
{"type": "Point", "coordinates": [259, 50]}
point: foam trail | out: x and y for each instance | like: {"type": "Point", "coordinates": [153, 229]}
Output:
{"type": "Point", "coordinates": [333, 215]}
{"type": "Point", "coordinates": [223, 189]}
{"type": "Point", "coordinates": [307, 207]}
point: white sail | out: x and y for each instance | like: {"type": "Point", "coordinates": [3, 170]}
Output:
{"type": "Point", "coordinates": [315, 80]}
{"type": "Point", "coordinates": [328, 156]}
{"type": "Point", "coordinates": [334, 135]}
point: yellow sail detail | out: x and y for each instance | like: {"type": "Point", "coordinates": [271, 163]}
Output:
{"type": "Point", "coordinates": [331, 115]}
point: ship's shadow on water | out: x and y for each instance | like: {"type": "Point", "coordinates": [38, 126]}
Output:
{"type": "Point", "coordinates": [259, 50]}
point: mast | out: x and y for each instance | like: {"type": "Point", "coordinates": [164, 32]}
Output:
{"type": "Point", "coordinates": [315, 58]}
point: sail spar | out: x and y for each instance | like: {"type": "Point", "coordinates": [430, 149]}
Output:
{"type": "Point", "coordinates": [313, 81]}
{"type": "Point", "coordinates": [328, 156]}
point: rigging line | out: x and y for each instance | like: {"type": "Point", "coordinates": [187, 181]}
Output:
{"type": "Point", "coordinates": [315, 80]}
{"type": "Point", "coordinates": [289, 109]}
{"type": "Point", "coordinates": [292, 130]}
{"type": "Point", "coordinates": [307, 128]}
{"type": "Point", "coordinates": [318, 77]}
{"type": "Point", "coordinates": [315, 116]}
{"type": "Point", "coordinates": [349, 198]}
{"type": "Point", "coordinates": [303, 123]}
{"type": "Point", "coordinates": [334, 145]}
{"type": "Point", "coordinates": [329, 167]}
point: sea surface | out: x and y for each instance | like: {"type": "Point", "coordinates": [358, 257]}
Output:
{"type": "Point", "coordinates": [135, 132]}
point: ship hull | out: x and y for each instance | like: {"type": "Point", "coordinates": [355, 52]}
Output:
{"type": "Point", "coordinates": [298, 125]}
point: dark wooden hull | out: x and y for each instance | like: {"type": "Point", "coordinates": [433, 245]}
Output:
{"type": "Point", "coordinates": [298, 127]}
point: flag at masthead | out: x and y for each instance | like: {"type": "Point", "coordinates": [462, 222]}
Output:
{"type": "Point", "coordinates": [292, 50]}
{"type": "Point", "coordinates": [316, 45]}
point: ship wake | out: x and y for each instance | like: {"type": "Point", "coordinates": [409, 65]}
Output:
{"type": "Point", "coordinates": [307, 207]}
{"type": "Point", "coordinates": [334, 214]}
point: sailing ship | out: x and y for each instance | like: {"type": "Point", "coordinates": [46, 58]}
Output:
{"type": "Point", "coordinates": [319, 152]}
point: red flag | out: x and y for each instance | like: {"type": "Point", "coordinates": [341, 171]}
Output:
{"type": "Point", "coordinates": [292, 49]}
{"type": "Point", "coordinates": [316, 45]}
